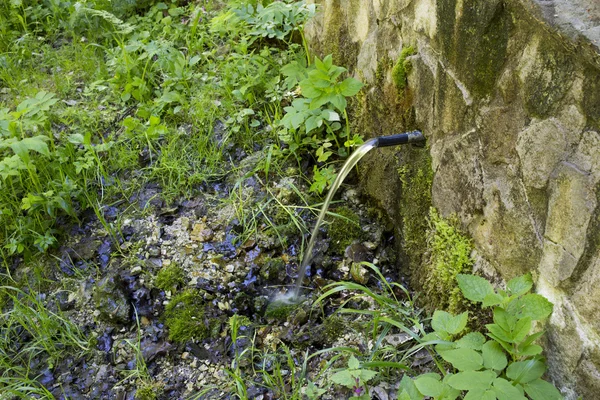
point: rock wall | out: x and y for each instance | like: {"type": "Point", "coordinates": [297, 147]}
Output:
{"type": "Point", "coordinates": [507, 93]}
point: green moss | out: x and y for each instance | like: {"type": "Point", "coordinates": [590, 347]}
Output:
{"type": "Point", "coordinates": [185, 317]}
{"type": "Point", "coordinates": [280, 310]}
{"type": "Point", "coordinates": [170, 278]}
{"type": "Point", "coordinates": [344, 229]}
{"type": "Point", "coordinates": [148, 390]}
{"type": "Point", "coordinates": [333, 328]}
{"type": "Point", "coordinates": [402, 68]}
{"type": "Point", "coordinates": [449, 255]}
{"type": "Point", "coordinates": [416, 177]}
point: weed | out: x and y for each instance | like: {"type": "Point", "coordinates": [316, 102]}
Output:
{"type": "Point", "coordinates": [185, 317]}
{"type": "Point", "coordinates": [508, 365]}
{"type": "Point", "coordinates": [170, 278]}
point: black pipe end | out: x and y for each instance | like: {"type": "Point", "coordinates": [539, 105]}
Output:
{"type": "Point", "coordinates": [415, 137]}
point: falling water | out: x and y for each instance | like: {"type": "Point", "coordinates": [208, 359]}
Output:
{"type": "Point", "coordinates": [308, 253]}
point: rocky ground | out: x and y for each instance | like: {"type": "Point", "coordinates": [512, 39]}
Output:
{"type": "Point", "coordinates": [119, 293]}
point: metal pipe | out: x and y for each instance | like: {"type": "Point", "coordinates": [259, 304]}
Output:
{"type": "Point", "coordinates": [400, 138]}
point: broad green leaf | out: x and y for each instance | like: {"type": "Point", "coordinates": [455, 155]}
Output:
{"type": "Point", "coordinates": [530, 350]}
{"type": "Point", "coordinates": [522, 329]}
{"type": "Point", "coordinates": [499, 333]}
{"type": "Point", "coordinates": [493, 356]}
{"type": "Point", "coordinates": [505, 391]}
{"type": "Point", "coordinates": [480, 395]}
{"type": "Point", "coordinates": [366, 375]}
{"type": "Point", "coordinates": [36, 143]}
{"type": "Point", "coordinates": [474, 288]}
{"type": "Point", "coordinates": [429, 386]}
{"type": "Point", "coordinates": [492, 299]}
{"type": "Point", "coordinates": [504, 319]}
{"type": "Point", "coordinates": [407, 385]}
{"type": "Point", "coordinates": [473, 340]}
{"type": "Point", "coordinates": [309, 90]}
{"type": "Point", "coordinates": [403, 395]}
{"type": "Point", "coordinates": [353, 363]}
{"type": "Point", "coordinates": [446, 322]}
{"type": "Point", "coordinates": [350, 86]}
{"type": "Point", "coordinates": [531, 305]}
{"type": "Point", "coordinates": [526, 371]}
{"type": "Point", "coordinates": [542, 390]}
{"type": "Point", "coordinates": [343, 378]}
{"type": "Point", "coordinates": [472, 380]}
{"type": "Point", "coordinates": [339, 102]}
{"type": "Point", "coordinates": [519, 285]}
{"type": "Point", "coordinates": [463, 359]}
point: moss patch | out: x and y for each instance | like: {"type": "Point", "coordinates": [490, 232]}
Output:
{"type": "Point", "coordinates": [344, 229]}
{"type": "Point", "coordinates": [280, 310]}
{"type": "Point", "coordinates": [449, 253]}
{"type": "Point", "coordinates": [185, 317]}
{"type": "Point", "coordinates": [170, 278]}
{"type": "Point", "coordinates": [402, 68]}
{"type": "Point", "coordinates": [416, 176]}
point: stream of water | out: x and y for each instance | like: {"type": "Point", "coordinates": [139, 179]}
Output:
{"type": "Point", "coordinates": [308, 253]}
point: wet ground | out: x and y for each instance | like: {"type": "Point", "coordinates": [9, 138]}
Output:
{"type": "Point", "coordinates": [109, 288]}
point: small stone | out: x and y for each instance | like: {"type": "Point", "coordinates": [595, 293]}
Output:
{"type": "Point", "coordinates": [136, 270]}
{"type": "Point", "coordinates": [230, 268]}
{"type": "Point", "coordinates": [359, 273]}
{"type": "Point", "coordinates": [185, 355]}
{"type": "Point", "coordinates": [200, 233]}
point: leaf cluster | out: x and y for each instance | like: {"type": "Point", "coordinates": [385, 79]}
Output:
{"type": "Point", "coordinates": [507, 364]}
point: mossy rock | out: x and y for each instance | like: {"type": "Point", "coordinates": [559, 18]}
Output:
{"type": "Point", "coordinates": [186, 319]}
{"type": "Point", "coordinates": [402, 68]}
{"type": "Point", "coordinates": [449, 254]}
{"type": "Point", "coordinates": [280, 310]}
{"type": "Point", "coordinates": [344, 229]}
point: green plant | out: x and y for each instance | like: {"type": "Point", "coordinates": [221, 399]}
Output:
{"type": "Point", "coordinates": [508, 365]}
{"type": "Point", "coordinates": [185, 317]}
{"type": "Point", "coordinates": [277, 20]}
{"type": "Point", "coordinates": [313, 121]}
{"type": "Point", "coordinates": [355, 378]}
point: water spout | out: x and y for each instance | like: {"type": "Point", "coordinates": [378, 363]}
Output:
{"type": "Point", "coordinates": [415, 137]}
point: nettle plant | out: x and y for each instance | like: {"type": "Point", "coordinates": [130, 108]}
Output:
{"type": "Point", "coordinates": [313, 121]}
{"type": "Point", "coordinates": [507, 365]}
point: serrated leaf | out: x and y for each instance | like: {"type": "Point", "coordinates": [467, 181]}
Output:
{"type": "Point", "coordinates": [343, 378]}
{"type": "Point", "coordinates": [350, 86]}
{"type": "Point", "coordinates": [493, 356]}
{"type": "Point", "coordinates": [474, 288]}
{"type": "Point", "coordinates": [531, 305]}
{"type": "Point", "coordinates": [492, 299]}
{"type": "Point", "coordinates": [353, 363]}
{"type": "Point", "coordinates": [463, 359]}
{"type": "Point", "coordinates": [526, 371]}
{"type": "Point", "coordinates": [503, 319]}
{"type": "Point", "coordinates": [472, 380]}
{"type": "Point", "coordinates": [505, 391]}
{"type": "Point", "coordinates": [446, 322]}
{"type": "Point", "coordinates": [473, 340]}
{"type": "Point", "coordinates": [429, 386]}
{"type": "Point", "coordinates": [36, 143]}
{"type": "Point", "coordinates": [542, 390]}
{"type": "Point", "coordinates": [407, 386]}
{"type": "Point", "coordinates": [519, 285]}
